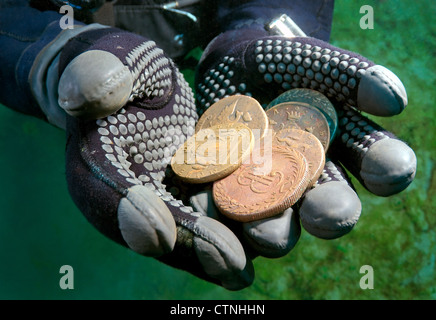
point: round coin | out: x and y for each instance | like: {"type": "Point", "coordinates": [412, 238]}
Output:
{"type": "Point", "coordinates": [213, 153]}
{"type": "Point", "coordinates": [261, 190]}
{"type": "Point", "coordinates": [309, 146]}
{"type": "Point", "coordinates": [236, 109]}
{"type": "Point", "coordinates": [313, 98]}
{"type": "Point", "coordinates": [302, 116]}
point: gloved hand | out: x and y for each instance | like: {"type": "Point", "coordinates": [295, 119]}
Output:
{"type": "Point", "coordinates": [250, 61]}
{"type": "Point", "coordinates": [117, 166]}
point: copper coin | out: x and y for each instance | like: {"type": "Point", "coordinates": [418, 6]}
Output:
{"type": "Point", "coordinates": [261, 190]}
{"type": "Point", "coordinates": [301, 116]}
{"type": "Point", "coordinates": [313, 98]}
{"type": "Point", "coordinates": [213, 153]}
{"type": "Point", "coordinates": [234, 109]}
{"type": "Point", "coordinates": [309, 146]}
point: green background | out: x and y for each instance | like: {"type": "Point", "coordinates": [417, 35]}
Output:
{"type": "Point", "coordinates": [41, 229]}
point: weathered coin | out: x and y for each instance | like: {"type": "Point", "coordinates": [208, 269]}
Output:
{"type": "Point", "coordinates": [313, 98]}
{"type": "Point", "coordinates": [261, 190]}
{"type": "Point", "coordinates": [302, 116]}
{"type": "Point", "coordinates": [213, 153]}
{"type": "Point", "coordinates": [234, 109]}
{"type": "Point", "coordinates": [309, 146]}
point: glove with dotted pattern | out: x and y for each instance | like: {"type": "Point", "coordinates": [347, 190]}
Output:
{"type": "Point", "coordinates": [117, 166]}
{"type": "Point", "coordinates": [251, 62]}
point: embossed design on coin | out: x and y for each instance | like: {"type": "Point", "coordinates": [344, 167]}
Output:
{"type": "Point", "coordinates": [301, 116]}
{"type": "Point", "coordinates": [238, 108]}
{"type": "Point", "coordinates": [257, 191]}
{"type": "Point", "coordinates": [308, 145]}
{"type": "Point", "coordinates": [257, 183]}
{"type": "Point", "coordinates": [213, 153]}
{"type": "Point", "coordinates": [313, 98]}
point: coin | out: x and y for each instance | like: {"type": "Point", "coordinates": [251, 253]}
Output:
{"type": "Point", "coordinates": [233, 109]}
{"type": "Point", "coordinates": [261, 190]}
{"type": "Point", "coordinates": [302, 116]}
{"type": "Point", "coordinates": [213, 153]}
{"type": "Point", "coordinates": [313, 98]}
{"type": "Point", "coordinates": [309, 146]}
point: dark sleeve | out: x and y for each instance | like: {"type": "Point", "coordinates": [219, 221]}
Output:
{"type": "Point", "coordinates": [314, 17]}
{"type": "Point", "coordinates": [13, 3]}
{"type": "Point", "coordinates": [24, 31]}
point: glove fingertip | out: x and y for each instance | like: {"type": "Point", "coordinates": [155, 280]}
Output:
{"type": "Point", "coordinates": [388, 167]}
{"type": "Point", "coordinates": [146, 223]}
{"type": "Point", "coordinates": [95, 84]}
{"type": "Point", "coordinates": [274, 237]}
{"type": "Point", "coordinates": [222, 255]}
{"type": "Point", "coordinates": [381, 92]}
{"type": "Point", "coordinates": [330, 210]}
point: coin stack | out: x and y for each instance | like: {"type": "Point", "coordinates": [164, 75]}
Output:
{"type": "Point", "coordinates": [260, 162]}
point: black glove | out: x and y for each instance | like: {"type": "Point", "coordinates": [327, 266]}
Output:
{"type": "Point", "coordinates": [116, 164]}
{"type": "Point", "coordinates": [252, 62]}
